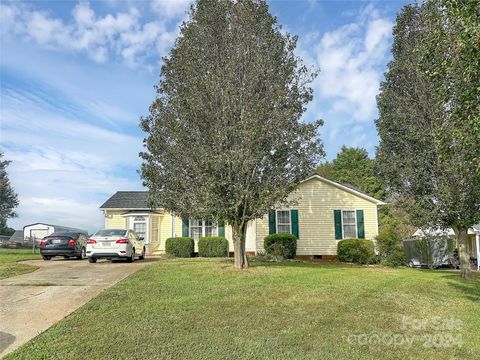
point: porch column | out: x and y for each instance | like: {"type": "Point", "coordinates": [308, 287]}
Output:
{"type": "Point", "coordinates": [478, 251]}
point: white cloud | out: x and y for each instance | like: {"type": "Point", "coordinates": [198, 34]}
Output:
{"type": "Point", "coordinates": [171, 8]}
{"type": "Point", "coordinates": [352, 59]}
{"type": "Point", "coordinates": [101, 37]}
{"type": "Point", "coordinates": [83, 15]}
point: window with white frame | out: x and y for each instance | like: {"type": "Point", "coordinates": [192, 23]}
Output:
{"type": "Point", "coordinates": [200, 228]}
{"type": "Point", "coordinates": [284, 222]}
{"type": "Point", "coordinates": [140, 226]}
{"type": "Point", "coordinates": [349, 223]}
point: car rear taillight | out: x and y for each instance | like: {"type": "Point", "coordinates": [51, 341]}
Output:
{"type": "Point", "coordinates": [43, 243]}
{"type": "Point", "coordinates": [121, 241]}
{"type": "Point", "coordinates": [72, 243]}
{"type": "Point", "coordinates": [91, 241]}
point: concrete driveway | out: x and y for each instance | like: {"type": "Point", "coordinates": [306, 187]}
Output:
{"type": "Point", "coordinates": [33, 302]}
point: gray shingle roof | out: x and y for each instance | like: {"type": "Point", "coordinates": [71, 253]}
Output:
{"type": "Point", "coordinates": [17, 236]}
{"type": "Point", "coordinates": [127, 200]}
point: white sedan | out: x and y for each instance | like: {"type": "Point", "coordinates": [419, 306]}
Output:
{"type": "Point", "coordinates": [115, 243]}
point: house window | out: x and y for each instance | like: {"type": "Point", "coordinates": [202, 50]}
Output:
{"type": "Point", "coordinates": [284, 223]}
{"type": "Point", "coordinates": [210, 229]}
{"type": "Point", "coordinates": [349, 222]}
{"type": "Point", "coordinates": [140, 226]}
{"type": "Point", "coordinates": [140, 229]}
{"type": "Point", "coordinates": [200, 228]}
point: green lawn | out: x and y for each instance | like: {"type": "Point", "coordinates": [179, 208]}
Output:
{"type": "Point", "coordinates": [8, 262]}
{"type": "Point", "coordinates": [203, 309]}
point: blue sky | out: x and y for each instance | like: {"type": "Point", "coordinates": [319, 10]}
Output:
{"type": "Point", "coordinates": [76, 76]}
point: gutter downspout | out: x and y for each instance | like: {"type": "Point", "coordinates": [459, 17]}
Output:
{"type": "Point", "coordinates": [172, 223]}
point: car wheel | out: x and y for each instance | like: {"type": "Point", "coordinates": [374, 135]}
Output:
{"type": "Point", "coordinates": [83, 255]}
{"type": "Point", "coordinates": [410, 264]}
{"type": "Point", "coordinates": [47, 257]}
{"type": "Point", "coordinates": [132, 257]}
{"type": "Point", "coordinates": [92, 260]}
{"type": "Point", "coordinates": [143, 254]}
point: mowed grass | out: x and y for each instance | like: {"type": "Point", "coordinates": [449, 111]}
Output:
{"type": "Point", "coordinates": [203, 309]}
{"type": "Point", "coordinates": [9, 265]}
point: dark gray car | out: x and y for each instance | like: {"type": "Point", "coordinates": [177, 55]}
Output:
{"type": "Point", "coordinates": [64, 243]}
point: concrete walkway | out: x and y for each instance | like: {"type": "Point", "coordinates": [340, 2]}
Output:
{"type": "Point", "coordinates": [31, 303]}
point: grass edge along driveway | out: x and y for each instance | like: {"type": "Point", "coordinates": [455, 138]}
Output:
{"type": "Point", "coordinates": [9, 262]}
{"type": "Point", "coordinates": [203, 309]}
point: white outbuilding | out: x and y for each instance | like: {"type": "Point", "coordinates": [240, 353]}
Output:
{"type": "Point", "coordinates": [38, 231]}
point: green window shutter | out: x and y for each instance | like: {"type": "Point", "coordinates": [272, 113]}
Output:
{"type": "Point", "coordinates": [221, 228]}
{"type": "Point", "coordinates": [185, 227]}
{"type": "Point", "coordinates": [294, 219]}
{"type": "Point", "coordinates": [360, 225]}
{"type": "Point", "coordinates": [337, 215]}
{"type": "Point", "coordinates": [272, 222]}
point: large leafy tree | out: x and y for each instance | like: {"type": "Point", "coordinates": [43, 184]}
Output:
{"type": "Point", "coordinates": [224, 136]}
{"type": "Point", "coordinates": [429, 124]}
{"type": "Point", "coordinates": [8, 198]}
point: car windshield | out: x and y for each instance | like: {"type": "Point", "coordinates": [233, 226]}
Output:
{"type": "Point", "coordinates": [72, 235]}
{"type": "Point", "coordinates": [111, 232]}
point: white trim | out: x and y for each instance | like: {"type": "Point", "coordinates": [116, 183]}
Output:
{"type": "Point", "coordinates": [276, 219]}
{"type": "Point", "coordinates": [356, 224]}
{"type": "Point", "coordinates": [477, 238]}
{"type": "Point", "coordinates": [172, 225]}
{"type": "Point", "coordinates": [346, 188]}
{"type": "Point", "coordinates": [131, 222]}
{"type": "Point", "coordinates": [256, 232]}
{"type": "Point", "coordinates": [135, 214]}
{"type": "Point", "coordinates": [255, 236]}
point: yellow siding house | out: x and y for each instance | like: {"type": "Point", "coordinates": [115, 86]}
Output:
{"type": "Point", "coordinates": [322, 213]}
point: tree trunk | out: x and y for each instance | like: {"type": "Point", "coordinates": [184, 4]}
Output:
{"type": "Point", "coordinates": [463, 255]}
{"type": "Point", "coordinates": [240, 255]}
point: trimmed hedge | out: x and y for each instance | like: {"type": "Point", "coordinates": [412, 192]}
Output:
{"type": "Point", "coordinates": [213, 246]}
{"type": "Point", "coordinates": [180, 246]}
{"type": "Point", "coordinates": [284, 245]}
{"type": "Point", "coordinates": [359, 251]}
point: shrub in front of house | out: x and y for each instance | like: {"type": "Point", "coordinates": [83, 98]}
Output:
{"type": "Point", "coordinates": [281, 245]}
{"type": "Point", "coordinates": [180, 246]}
{"type": "Point", "coordinates": [359, 251]}
{"type": "Point", "coordinates": [390, 247]}
{"type": "Point", "coordinates": [213, 246]}
{"type": "Point", "coordinates": [395, 258]}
